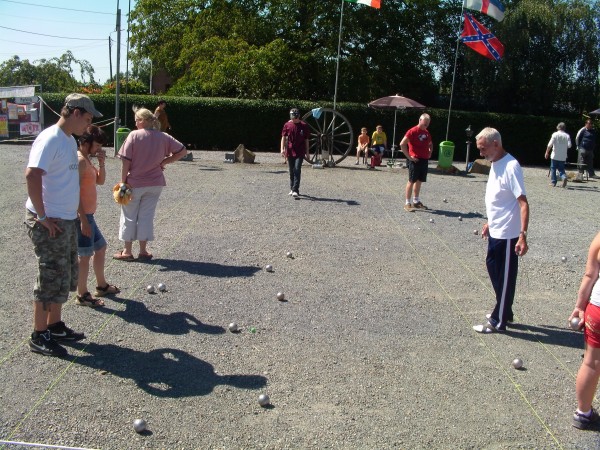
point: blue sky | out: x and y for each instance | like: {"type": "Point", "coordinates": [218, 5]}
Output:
{"type": "Point", "coordinates": [82, 27]}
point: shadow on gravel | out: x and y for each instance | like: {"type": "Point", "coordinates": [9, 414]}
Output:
{"type": "Point", "coordinates": [175, 323]}
{"type": "Point", "coordinates": [442, 212]}
{"type": "Point", "coordinates": [549, 335]}
{"type": "Point", "coordinates": [205, 268]}
{"type": "Point", "coordinates": [276, 172]}
{"type": "Point", "coordinates": [211, 169]}
{"type": "Point", "coordinates": [164, 372]}
{"type": "Point", "coordinates": [333, 200]}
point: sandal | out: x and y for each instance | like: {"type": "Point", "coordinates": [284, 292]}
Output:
{"type": "Point", "coordinates": [145, 256]}
{"type": "Point", "coordinates": [121, 257]}
{"type": "Point", "coordinates": [87, 300]}
{"type": "Point", "coordinates": [106, 290]}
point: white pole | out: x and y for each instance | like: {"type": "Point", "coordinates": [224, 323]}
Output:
{"type": "Point", "coordinates": [454, 74]}
{"type": "Point", "coordinates": [337, 67]}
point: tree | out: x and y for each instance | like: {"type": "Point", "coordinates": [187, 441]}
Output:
{"type": "Point", "coordinates": [54, 75]}
{"type": "Point", "coordinates": [286, 48]}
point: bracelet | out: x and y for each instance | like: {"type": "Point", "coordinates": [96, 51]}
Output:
{"type": "Point", "coordinates": [41, 218]}
{"type": "Point", "coordinates": [102, 166]}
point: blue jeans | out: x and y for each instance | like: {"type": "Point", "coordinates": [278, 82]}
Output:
{"type": "Point", "coordinates": [295, 166]}
{"type": "Point", "coordinates": [554, 166]}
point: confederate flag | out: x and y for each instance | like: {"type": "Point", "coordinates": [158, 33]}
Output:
{"type": "Point", "coordinates": [480, 39]}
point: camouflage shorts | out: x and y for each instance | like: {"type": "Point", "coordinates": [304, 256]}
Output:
{"type": "Point", "coordinates": [57, 260]}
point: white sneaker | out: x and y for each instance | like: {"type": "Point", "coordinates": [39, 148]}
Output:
{"type": "Point", "coordinates": [291, 193]}
{"type": "Point", "coordinates": [294, 194]}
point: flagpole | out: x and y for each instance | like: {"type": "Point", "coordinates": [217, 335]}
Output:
{"type": "Point", "coordinates": [454, 72]}
{"type": "Point", "coordinates": [337, 67]}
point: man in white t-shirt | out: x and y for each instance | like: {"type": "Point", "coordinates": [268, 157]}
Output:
{"type": "Point", "coordinates": [52, 177]}
{"type": "Point", "coordinates": [559, 144]}
{"type": "Point", "coordinates": [506, 230]}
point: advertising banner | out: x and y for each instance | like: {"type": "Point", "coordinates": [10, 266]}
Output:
{"type": "Point", "coordinates": [30, 128]}
{"type": "Point", "coordinates": [3, 125]}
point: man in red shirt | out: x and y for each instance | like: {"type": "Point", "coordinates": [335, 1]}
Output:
{"type": "Point", "coordinates": [417, 147]}
{"type": "Point", "coordinates": [295, 146]}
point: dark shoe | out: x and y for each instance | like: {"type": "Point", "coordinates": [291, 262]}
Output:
{"type": "Point", "coordinates": [61, 332]}
{"type": "Point", "coordinates": [87, 300]}
{"type": "Point", "coordinates": [582, 422]}
{"type": "Point", "coordinates": [45, 345]}
{"type": "Point", "coordinates": [106, 290]}
{"type": "Point", "coordinates": [419, 205]}
{"type": "Point", "coordinates": [564, 182]}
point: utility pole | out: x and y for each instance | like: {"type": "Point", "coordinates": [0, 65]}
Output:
{"type": "Point", "coordinates": [117, 80]}
{"type": "Point", "coordinates": [110, 56]}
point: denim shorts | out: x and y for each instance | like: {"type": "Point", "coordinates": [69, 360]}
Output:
{"type": "Point", "coordinates": [87, 245]}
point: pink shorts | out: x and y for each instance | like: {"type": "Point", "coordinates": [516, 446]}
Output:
{"type": "Point", "coordinates": [591, 331]}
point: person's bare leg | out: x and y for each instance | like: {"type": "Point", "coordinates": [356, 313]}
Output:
{"type": "Point", "coordinates": [143, 249]}
{"type": "Point", "coordinates": [54, 313]}
{"type": "Point", "coordinates": [417, 188]}
{"type": "Point", "coordinates": [587, 379]}
{"type": "Point", "coordinates": [84, 270]}
{"type": "Point", "coordinates": [98, 263]}
{"type": "Point", "coordinates": [409, 188]}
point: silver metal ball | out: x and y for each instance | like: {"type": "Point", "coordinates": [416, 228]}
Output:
{"type": "Point", "coordinates": [150, 289]}
{"type": "Point", "coordinates": [445, 200]}
{"type": "Point", "coordinates": [475, 232]}
{"type": "Point", "coordinates": [162, 287]}
{"type": "Point", "coordinates": [431, 220]}
{"type": "Point", "coordinates": [460, 218]}
{"type": "Point", "coordinates": [269, 268]}
{"type": "Point", "coordinates": [574, 323]}
{"type": "Point", "coordinates": [264, 400]}
{"type": "Point", "coordinates": [233, 327]}
{"type": "Point", "coordinates": [289, 255]}
{"type": "Point", "coordinates": [563, 259]}
{"type": "Point", "coordinates": [139, 425]}
{"type": "Point", "coordinates": [280, 296]}
{"type": "Point", "coordinates": [517, 363]}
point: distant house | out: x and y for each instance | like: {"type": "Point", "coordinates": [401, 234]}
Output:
{"type": "Point", "coordinates": [161, 81]}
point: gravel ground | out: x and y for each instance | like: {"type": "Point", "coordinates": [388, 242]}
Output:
{"type": "Point", "coordinates": [373, 347]}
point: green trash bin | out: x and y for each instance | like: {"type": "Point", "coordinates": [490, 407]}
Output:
{"type": "Point", "coordinates": [446, 154]}
{"type": "Point", "coordinates": [122, 134]}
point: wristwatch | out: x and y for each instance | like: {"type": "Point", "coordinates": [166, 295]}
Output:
{"type": "Point", "coordinates": [524, 233]}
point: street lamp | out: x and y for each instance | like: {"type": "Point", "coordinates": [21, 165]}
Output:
{"type": "Point", "coordinates": [469, 134]}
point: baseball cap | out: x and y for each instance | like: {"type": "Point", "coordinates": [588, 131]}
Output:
{"type": "Point", "coordinates": [82, 101]}
{"type": "Point", "coordinates": [294, 112]}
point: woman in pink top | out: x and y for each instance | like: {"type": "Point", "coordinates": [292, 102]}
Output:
{"type": "Point", "coordinates": [90, 241]}
{"type": "Point", "coordinates": [144, 155]}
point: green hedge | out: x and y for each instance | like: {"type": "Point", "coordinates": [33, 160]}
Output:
{"type": "Point", "coordinates": [223, 123]}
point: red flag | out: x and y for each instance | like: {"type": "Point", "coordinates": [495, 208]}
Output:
{"type": "Point", "coordinates": [480, 39]}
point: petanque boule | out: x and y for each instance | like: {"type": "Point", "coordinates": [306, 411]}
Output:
{"type": "Point", "coordinates": [269, 268]}
{"type": "Point", "coordinates": [162, 287]}
{"type": "Point", "coordinates": [574, 323]}
{"type": "Point", "coordinates": [264, 400]}
{"type": "Point", "coordinates": [563, 259]}
{"type": "Point", "coordinates": [150, 289]}
{"type": "Point", "coordinates": [475, 232]}
{"type": "Point", "coordinates": [139, 425]}
{"type": "Point", "coordinates": [233, 327]}
{"type": "Point", "coordinates": [431, 220]}
{"type": "Point", "coordinates": [445, 200]}
{"type": "Point", "coordinates": [517, 363]}
{"type": "Point", "coordinates": [460, 218]}
{"type": "Point", "coordinates": [280, 296]}
{"type": "Point", "coordinates": [289, 255]}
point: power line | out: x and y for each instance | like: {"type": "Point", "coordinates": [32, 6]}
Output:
{"type": "Point", "coordinates": [29, 18]}
{"type": "Point", "coordinates": [55, 7]}
{"type": "Point", "coordinates": [50, 35]}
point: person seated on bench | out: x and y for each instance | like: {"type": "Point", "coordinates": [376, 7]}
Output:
{"type": "Point", "coordinates": [363, 145]}
{"type": "Point", "coordinates": [379, 141]}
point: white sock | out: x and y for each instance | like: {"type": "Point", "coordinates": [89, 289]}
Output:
{"type": "Point", "coordinates": [586, 414]}
{"type": "Point", "coordinates": [407, 202]}
{"type": "Point", "coordinates": [416, 200]}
